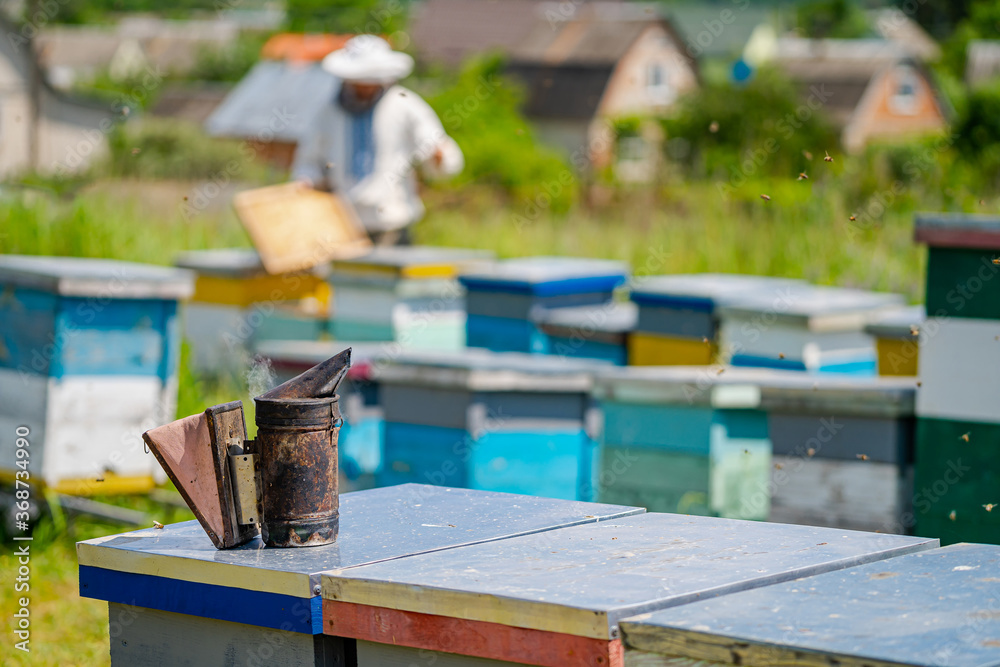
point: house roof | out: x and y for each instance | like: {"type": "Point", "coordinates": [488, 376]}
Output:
{"type": "Point", "coordinates": [982, 61]}
{"type": "Point", "coordinates": [893, 24]}
{"type": "Point", "coordinates": [292, 93]}
{"type": "Point", "coordinates": [590, 36]}
{"type": "Point", "coordinates": [449, 31]}
{"type": "Point", "coordinates": [302, 48]}
{"type": "Point", "coordinates": [693, 19]}
{"type": "Point", "coordinates": [843, 68]}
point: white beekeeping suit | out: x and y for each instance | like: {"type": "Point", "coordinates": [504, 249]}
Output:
{"type": "Point", "coordinates": [367, 149]}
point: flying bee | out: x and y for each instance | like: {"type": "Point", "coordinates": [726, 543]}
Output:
{"type": "Point", "coordinates": [765, 198]}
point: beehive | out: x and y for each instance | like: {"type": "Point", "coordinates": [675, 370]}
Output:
{"type": "Point", "coordinates": [590, 332]}
{"type": "Point", "coordinates": [684, 439]}
{"type": "Point", "coordinates": [679, 315]}
{"type": "Point", "coordinates": [843, 450]}
{"type": "Point", "coordinates": [175, 599]}
{"type": "Point", "coordinates": [958, 428]}
{"type": "Point", "coordinates": [897, 340]}
{"type": "Point", "coordinates": [806, 328]}
{"type": "Point", "coordinates": [88, 361]}
{"type": "Point", "coordinates": [407, 294]}
{"type": "Point", "coordinates": [504, 300]}
{"type": "Point", "coordinates": [493, 421]}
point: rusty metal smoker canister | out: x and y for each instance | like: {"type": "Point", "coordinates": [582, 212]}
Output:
{"type": "Point", "coordinates": [297, 446]}
{"type": "Point", "coordinates": [297, 428]}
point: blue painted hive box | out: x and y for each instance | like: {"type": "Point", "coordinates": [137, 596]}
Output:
{"type": "Point", "coordinates": [493, 421]}
{"type": "Point", "coordinates": [503, 299]}
{"type": "Point", "coordinates": [360, 440]}
{"type": "Point", "coordinates": [678, 314]}
{"type": "Point", "coordinates": [237, 304]}
{"type": "Point", "coordinates": [88, 361]}
{"type": "Point", "coordinates": [843, 450]}
{"type": "Point", "coordinates": [805, 328]}
{"type": "Point", "coordinates": [590, 332]}
{"type": "Point", "coordinates": [684, 439]}
{"type": "Point", "coordinates": [174, 599]}
{"type": "Point", "coordinates": [407, 294]}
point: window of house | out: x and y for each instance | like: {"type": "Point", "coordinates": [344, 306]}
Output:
{"type": "Point", "coordinates": [906, 86]}
{"type": "Point", "coordinates": [657, 84]}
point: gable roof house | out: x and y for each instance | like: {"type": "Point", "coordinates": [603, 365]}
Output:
{"type": "Point", "coordinates": [42, 129]}
{"type": "Point", "coordinates": [582, 65]}
{"type": "Point", "coordinates": [869, 89]}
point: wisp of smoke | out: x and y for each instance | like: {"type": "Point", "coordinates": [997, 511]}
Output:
{"type": "Point", "coordinates": [260, 376]}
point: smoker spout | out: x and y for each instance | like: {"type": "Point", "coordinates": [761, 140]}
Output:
{"type": "Point", "coordinates": [320, 381]}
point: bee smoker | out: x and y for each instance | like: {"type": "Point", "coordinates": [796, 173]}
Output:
{"type": "Point", "coordinates": [283, 484]}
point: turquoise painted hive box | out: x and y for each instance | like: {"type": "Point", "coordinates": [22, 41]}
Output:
{"type": "Point", "coordinates": [493, 421]}
{"type": "Point", "coordinates": [685, 439]}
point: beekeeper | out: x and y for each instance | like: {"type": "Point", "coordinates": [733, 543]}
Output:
{"type": "Point", "coordinates": [367, 141]}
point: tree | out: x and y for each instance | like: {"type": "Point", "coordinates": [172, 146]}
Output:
{"type": "Point", "coordinates": [841, 19]}
{"type": "Point", "coordinates": [380, 17]}
{"type": "Point", "coordinates": [718, 126]}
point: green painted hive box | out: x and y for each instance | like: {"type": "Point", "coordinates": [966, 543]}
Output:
{"type": "Point", "coordinates": [957, 477]}
{"type": "Point", "coordinates": [684, 439]}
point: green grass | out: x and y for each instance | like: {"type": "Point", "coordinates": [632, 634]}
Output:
{"type": "Point", "coordinates": [803, 232]}
{"type": "Point", "coordinates": [65, 628]}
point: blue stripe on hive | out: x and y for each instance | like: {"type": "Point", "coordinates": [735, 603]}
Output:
{"type": "Point", "coordinates": [268, 610]}
{"type": "Point", "coordinates": [587, 349]}
{"type": "Point", "coordinates": [546, 288]}
{"type": "Point", "coordinates": [674, 302]}
{"type": "Point", "coordinates": [863, 367]}
{"type": "Point", "coordinates": [504, 334]}
{"type": "Point", "coordinates": [758, 361]}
